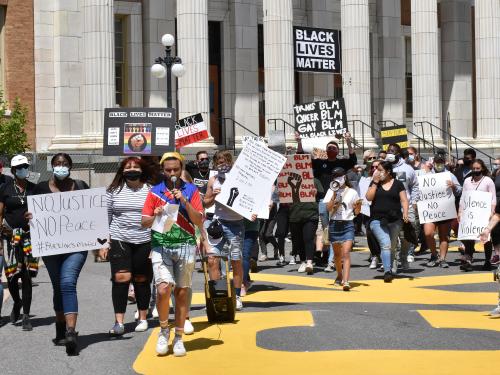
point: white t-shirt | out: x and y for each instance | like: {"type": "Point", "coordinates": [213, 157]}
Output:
{"type": "Point", "coordinates": [346, 211]}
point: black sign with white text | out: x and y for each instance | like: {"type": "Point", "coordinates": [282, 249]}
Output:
{"type": "Point", "coordinates": [321, 119]}
{"type": "Point", "coordinates": [139, 131]}
{"type": "Point", "coordinates": [316, 50]}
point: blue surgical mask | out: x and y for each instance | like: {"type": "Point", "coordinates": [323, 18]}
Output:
{"type": "Point", "coordinates": [22, 173]}
{"type": "Point", "coordinates": [61, 172]}
{"type": "Point", "coordinates": [411, 158]}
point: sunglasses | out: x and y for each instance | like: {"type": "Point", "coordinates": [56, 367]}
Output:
{"type": "Point", "coordinates": [203, 159]}
{"type": "Point", "coordinates": [372, 158]}
{"type": "Point", "coordinates": [22, 166]}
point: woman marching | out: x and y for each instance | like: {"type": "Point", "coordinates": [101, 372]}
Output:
{"type": "Point", "coordinates": [388, 197]}
{"type": "Point", "coordinates": [130, 242]}
{"type": "Point", "coordinates": [343, 206]}
{"type": "Point", "coordinates": [64, 269]}
{"type": "Point", "coordinates": [19, 263]}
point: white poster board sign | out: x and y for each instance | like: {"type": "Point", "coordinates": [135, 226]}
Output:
{"type": "Point", "coordinates": [251, 179]}
{"type": "Point", "coordinates": [68, 222]}
{"type": "Point", "coordinates": [296, 180]}
{"type": "Point", "coordinates": [437, 202]}
{"type": "Point", "coordinates": [475, 215]}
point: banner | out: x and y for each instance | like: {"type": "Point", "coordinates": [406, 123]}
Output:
{"type": "Point", "coordinates": [394, 134]}
{"type": "Point", "coordinates": [437, 201]}
{"type": "Point", "coordinates": [475, 215]}
{"type": "Point", "coordinates": [68, 222]}
{"type": "Point", "coordinates": [326, 118]}
{"type": "Point", "coordinates": [190, 130]}
{"type": "Point", "coordinates": [138, 131]}
{"type": "Point", "coordinates": [296, 180]}
{"type": "Point", "coordinates": [250, 181]}
{"type": "Point", "coordinates": [316, 50]}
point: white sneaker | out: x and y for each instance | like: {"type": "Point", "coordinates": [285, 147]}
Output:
{"type": "Point", "coordinates": [142, 325]}
{"type": "Point", "coordinates": [394, 267]}
{"type": "Point", "coordinates": [373, 263]}
{"type": "Point", "coordinates": [309, 268]}
{"type": "Point", "coordinates": [292, 260]}
{"type": "Point", "coordinates": [302, 267]}
{"type": "Point", "coordinates": [162, 343]}
{"type": "Point", "coordinates": [188, 327]}
{"type": "Point", "coordinates": [263, 258]}
{"type": "Point", "coordinates": [178, 347]}
{"type": "Point", "coordinates": [410, 259]}
{"type": "Point", "coordinates": [330, 267]}
{"type": "Point", "coordinates": [154, 313]}
{"type": "Point", "coordinates": [136, 315]}
{"type": "Point", "coordinates": [239, 304]}
{"type": "Point", "coordinates": [288, 240]}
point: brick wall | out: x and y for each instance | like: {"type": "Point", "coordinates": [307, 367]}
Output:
{"type": "Point", "coordinates": [19, 58]}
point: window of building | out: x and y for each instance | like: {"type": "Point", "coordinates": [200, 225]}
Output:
{"type": "Point", "coordinates": [408, 79]}
{"type": "Point", "coordinates": [406, 12]}
{"type": "Point", "coordinates": [120, 61]}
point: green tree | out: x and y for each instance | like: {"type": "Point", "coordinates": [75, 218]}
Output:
{"type": "Point", "coordinates": [13, 137]}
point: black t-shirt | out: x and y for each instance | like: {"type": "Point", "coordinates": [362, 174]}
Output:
{"type": "Point", "coordinates": [15, 203]}
{"type": "Point", "coordinates": [387, 204]}
{"type": "Point", "coordinates": [497, 185]}
{"type": "Point", "coordinates": [497, 208]}
{"type": "Point", "coordinates": [4, 179]}
{"type": "Point", "coordinates": [322, 168]}
{"type": "Point", "coordinates": [200, 180]}
{"type": "Point", "coordinates": [44, 188]}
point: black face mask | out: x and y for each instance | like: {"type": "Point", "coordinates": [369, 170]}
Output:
{"type": "Point", "coordinates": [132, 175]}
{"type": "Point", "coordinates": [467, 162]}
{"type": "Point", "coordinates": [476, 173]}
{"type": "Point", "coordinates": [203, 164]}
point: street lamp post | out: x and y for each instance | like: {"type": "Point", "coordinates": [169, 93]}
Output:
{"type": "Point", "coordinates": [168, 65]}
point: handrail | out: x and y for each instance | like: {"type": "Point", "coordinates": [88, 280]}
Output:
{"type": "Point", "coordinates": [285, 124]}
{"type": "Point", "coordinates": [232, 136]}
{"type": "Point", "coordinates": [452, 139]}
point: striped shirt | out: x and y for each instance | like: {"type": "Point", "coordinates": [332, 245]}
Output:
{"type": "Point", "coordinates": [125, 214]}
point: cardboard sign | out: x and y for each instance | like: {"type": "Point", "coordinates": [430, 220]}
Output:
{"type": "Point", "coordinates": [394, 134]}
{"type": "Point", "coordinates": [475, 215]}
{"type": "Point", "coordinates": [190, 130]}
{"type": "Point", "coordinates": [296, 180]}
{"type": "Point", "coordinates": [325, 118]}
{"type": "Point", "coordinates": [138, 131]}
{"type": "Point", "coordinates": [68, 222]}
{"type": "Point", "coordinates": [250, 181]}
{"type": "Point", "coordinates": [316, 50]}
{"type": "Point", "coordinates": [437, 202]}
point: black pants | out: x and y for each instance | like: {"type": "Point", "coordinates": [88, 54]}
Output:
{"type": "Point", "coordinates": [266, 232]}
{"type": "Point", "coordinates": [27, 289]}
{"type": "Point", "coordinates": [303, 238]}
{"type": "Point", "coordinates": [125, 257]}
{"type": "Point", "coordinates": [282, 227]}
{"type": "Point", "coordinates": [469, 249]}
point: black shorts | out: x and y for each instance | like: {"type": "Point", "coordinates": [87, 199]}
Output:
{"type": "Point", "coordinates": [130, 257]}
{"type": "Point", "coordinates": [495, 235]}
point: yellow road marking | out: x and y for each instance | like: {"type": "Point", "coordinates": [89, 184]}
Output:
{"type": "Point", "coordinates": [460, 319]}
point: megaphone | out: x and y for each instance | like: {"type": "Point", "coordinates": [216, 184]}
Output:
{"type": "Point", "coordinates": [334, 186]}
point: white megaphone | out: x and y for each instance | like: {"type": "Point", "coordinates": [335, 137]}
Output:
{"type": "Point", "coordinates": [334, 186]}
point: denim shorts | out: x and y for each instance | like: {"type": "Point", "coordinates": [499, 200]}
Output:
{"type": "Point", "coordinates": [231, 243]}
{"type": "Point", "coordinates": [174, 266]}
{"type": "Point", "coordinates": [341, 231]}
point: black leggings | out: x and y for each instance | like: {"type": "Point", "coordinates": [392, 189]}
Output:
{"type": "Point", "coordinates": [282, 227]}
{"type": "Point", "coordinates": [27, 289]}
{"type": "Point", "coordinates": [303, 238]}
{"type": "Point", "coordinates": [266, 232]}
{"type": "Point", "coordinates": [125, 257]}
{"type": "Point", "coordinates": [469, 249]}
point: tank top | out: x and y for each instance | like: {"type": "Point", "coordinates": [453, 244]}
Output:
{"type": "Point", "coordinates": [221, 211]}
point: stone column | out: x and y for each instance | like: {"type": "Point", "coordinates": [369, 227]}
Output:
{"type": "Point", "coordinates": [487, 14]}
{"type": "Point", "coordinates": [456, 69]}
{"type": "Point", "coordinates": [192, 48]}
{"type": "Point", "coordinates": [98, 60]}
{"type": "Point", "coordinates": [425, 64]}
{"type": "Point", "coordinates": [391, 61]}
{"type": "Point", "coordinates": [278, 59]}
{"type": "Point", "coordinates": [356, 65]}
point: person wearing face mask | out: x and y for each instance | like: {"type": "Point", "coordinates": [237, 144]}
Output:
{"type": "Point", "coordinates": [480, 181]}
{"type": "Point", "coordinates": [443, 227]}
{"type": "Point", "coordinates": [495, 233]}
{"type": "Point", "coordinates": [388, 210]}
{"type": "Point", "coordinates": [464, 169]}
{"type": "Point", "coordinates": [342, 205]}
{"type": "Point", "coordinates": [200, 171]}
{"type": "Point", "coordinates": [407, 176]}
{"type": "Point", "coordinates": [414, 158]}
{"type": "Point", "coordinates": [64, 269]}
{"type": "Point", "coordinates": [130, 243]}
{"type": "Point", "coordinates": [15, 239]}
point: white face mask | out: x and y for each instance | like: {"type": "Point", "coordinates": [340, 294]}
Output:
{"type": "Point", "coordinates": [411, 158]}
{"type": "Point", "coordinates": [61, 172]}
{"type": "Point", "coordinates": [341, 181]}
{"type": "Point", "coordinates": [390, 158]}
{"type": "Point", "coordinates": [382, 176]}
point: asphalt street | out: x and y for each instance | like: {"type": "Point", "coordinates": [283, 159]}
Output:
{"type": "Point", "coordinates": [427, 321]}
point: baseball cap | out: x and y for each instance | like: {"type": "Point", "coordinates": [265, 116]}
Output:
{"type": "Point", "coordinates": [337, 172]}
{"type": "Point", "coordinates": [19, 160]}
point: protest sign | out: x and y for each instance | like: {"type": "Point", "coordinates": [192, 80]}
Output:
{"type": "Point", "coordinates": [394, 134]}
{"type": "Point", "coordinates": [276, 140]}
{"type": "Point", "coordinates": [138, 131]}
{"type": "Point", "coordinates": [68, 222]}
{"type": "Point", "coordinates": [325, 118]}
{"type": "Point", "coordinates": [189, 130]}
{"type": "Point", "coordinates": [475, 215]}
{"type": "Point", "coordinates": [164, 222]}
{"type": "Point", "coordinates": [257, 138]}
{"type": "Point", "coordinates": [316, 50]}
{"type": "Point", "coordinates": [437, 202]}
{"type": "Point", "coordinates": [250, 179]}
{"type": "Point", "coordinates": [296, 180]}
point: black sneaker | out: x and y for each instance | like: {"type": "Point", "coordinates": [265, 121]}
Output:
{"type": "Point", "coordinates": [16, 312]}
{"type": "Point", "coordinates": [26, 323]}
{"type": "Point", "coordinates": [487, 266]}
{"type": "Point", "coordinates": [388, 277]}
{"type": "Point", "coordinates": [71, 342]}
{"type": "Point", "coordinates": [467, 266]}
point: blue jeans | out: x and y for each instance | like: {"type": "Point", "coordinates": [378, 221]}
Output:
{"type": "Point", "coordinates": [64, 270]}
{"type": "Point", "coordinates": [387, 237]}
{"type": "Point", "coordinates": [234, 231]}
{"type": "Point", "coordinates": [1, 285]}
{"type": "Point", "coordinates": [248, 244]}
{"type": "Point", "coordinates": [323, 214]}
